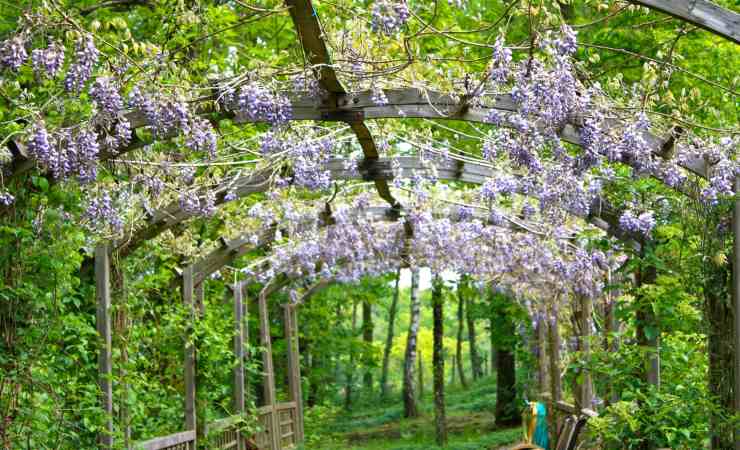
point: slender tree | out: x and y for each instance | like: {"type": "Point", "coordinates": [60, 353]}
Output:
{"type": "Point", "coordinates": [389, 339]}
{"type": "Point", "coordinates": [458, 347]}
{"type": "Point", "coordinates": [440, 417]}
{"type": "Point", "coordinates": [420, 358]}
{"type": "Point", "coordinates": [475, 359]}
{"type": "Point", "coordinates": [507, 413]}
{"type": "Point", "coordinates": [350, 371]}
{"type": "Point", "coordinates": [410, 407]}
{"type": "Point", "coordinates": [367, 339]}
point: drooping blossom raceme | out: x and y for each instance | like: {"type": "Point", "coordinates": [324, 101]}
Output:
{"type": "Point", "coordinates": [101, 214]}
{"type": "Point", "coordinates": [501, 62]}
{"type": "Point", "coordinates": [567, 43]}
{"type": "Point", "coordinates": [201, 137]}
{"type": "Point", "coordinates": [6, 198]}
{"type": "Point", "coordinates": [106, 96]}
{"type": "Point", "coordinates": [13, 52]}
{"type": "Point", "coordinates": [70, 154]}
{"type": "Point", "coordinates": [49, 60]}
{"type": "Point", "coordinates": [194, 204]}
{"type": "Point", "coordinates": [642, 223]}
{"type": "Point", "coordinates": [388, 16]}
{"type": "Point", "coordinates": [499, 185]}
{"type": "Point", "coordinates": [256, 103]}
{"type": "Point", "coordinates": [40, 145]}
{"type": "Point", "coordinates": [86, 56]}
{"type": "Point", "coordinates": [308, 158]}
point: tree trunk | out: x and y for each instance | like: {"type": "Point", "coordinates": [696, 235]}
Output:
{"type": "Point", "coordinates": [350, 372]}
{"type": "Point", "coordinates": [453, 371]}
{"type": "Point", "coordinates": [475, 360]}
{"type": "Point", "coordinates": [719, 314]}
{"type": "Point", "coordinates": [410, 408]}
{"type": "Point", "coordinates": [507, 413]}
{"type": "Point", "coordinates": [647, 328]}
{"type": "Point", "coordinates": [458, 348]}
{"type": "Point", "coordinates": [420, 358]}
{"type": "Point", "coordinates": [492, 343]}
{"type": "Point", "coordinates": [389, 340]}
{"type": "Point", "coordinates": [367, 338]}
{"type": "Point", "coordinates": [440, 418]}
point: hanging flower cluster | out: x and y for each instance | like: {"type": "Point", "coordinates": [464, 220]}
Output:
{"type": "Point", "coordinates": [49, 60]}
{"type": "Point", "coordinates": [67, 154]}
{"type": "Point", "coordinates": [642, 223]}
{"type": "Point", "coordinates": [258, 104]}
{"type": "Point", "coordinates": [388, 16]}
{"type": "Point", "coordinates": [86, 57]}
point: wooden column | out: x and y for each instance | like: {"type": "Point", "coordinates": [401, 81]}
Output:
{"type": "Point", "coordinates": [238, 378]}
{"type": "Point", "coordinates": [103, 322]}
{"type": "Point", "coordinates": [267, 368]}
{"type": "Point", "coordinates": [542, 363]}
{"type": "Point", "coordinates": [587, 389]}
{"type": "Point", "coordinates": [189, 362]}
{"type": "Point", "coordinates": [556, 389]}
{"type": "Point", "coordinates": [736, 300]}
{"type": "Point", "coordinates": [294, 367]}
{"type": "Point", "coordinates": [238, 351]}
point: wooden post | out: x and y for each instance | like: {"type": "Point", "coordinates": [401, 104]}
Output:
{"type": "Point", "coordinates": [238, 351]}
{"type": "Point", "coordinates": [189, 362]}
{"type": "Point", "coordinates": [587, 388]}
{"type": "Point", "coordinates": [556, 389]}
{"type": "Point", "coordinates": [238, 381]}
{"type": "Point", "coordinates": [542, 363]}
{"type": "Point", "coordinates": [267, 368]}
{"type": "Point", "coordinates": [105, 362]}
{"type": "Point", "coordinates": [736, 300]}
{"type": "Point", "coordinates": [294, 367]}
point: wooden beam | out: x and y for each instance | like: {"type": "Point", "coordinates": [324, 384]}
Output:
{"type": "Point", "coordinates": [189, 361]}
{"type": "Point", "coordinates": [103, 322]}
{"type": "Point", "coordinates": [702, 13]}
{"type": "Point", "coordinates": [306, 21]}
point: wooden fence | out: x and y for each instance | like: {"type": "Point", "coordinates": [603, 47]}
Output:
{"type": "Point", "coordinates": [224, 434]}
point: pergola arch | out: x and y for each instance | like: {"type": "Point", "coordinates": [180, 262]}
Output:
{"type": "Point", "coordinates": [355, 109]}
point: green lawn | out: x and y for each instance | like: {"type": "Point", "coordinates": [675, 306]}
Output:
{"type": "Point", "coordinates": [382, 427]}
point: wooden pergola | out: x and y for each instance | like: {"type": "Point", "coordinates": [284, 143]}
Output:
{"type": "Point", "coordinates": [283, 423]}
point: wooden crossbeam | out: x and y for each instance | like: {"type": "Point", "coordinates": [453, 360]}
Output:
{"type": "Point", "coordinates": [702, 13]}
{"type": "Point", "coordinates": [307, 25]}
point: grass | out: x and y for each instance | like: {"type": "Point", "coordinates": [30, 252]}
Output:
{"type": "Point", "coordinates": [382, 426]}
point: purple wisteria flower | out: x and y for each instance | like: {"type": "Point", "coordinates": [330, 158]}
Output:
{"type": "Point", "coordinates": [48, 60]}
{"type": "Point", "coordinates": [642, 223]}
{"type": "Point", "coordinates": [501, 62]}
{"type": "Point", "coordinates": [388, 16]}
{"type": "Point", "coordinates": [201, 137]}
{"type": "Point", "coordinates": [6, 198]}
{"type": "Point", "coordinates": [86, 56]}
{"type": "Point", "coordinates": [258, 104]}
{"type": "Point", "coordinates": [101, 214]}
{"type": "Point", "coordinates": [106, 97]}
{"type": "Point", "coordinates": [13, 52]}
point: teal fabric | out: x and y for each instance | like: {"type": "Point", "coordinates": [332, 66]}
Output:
{"type": "Point", "coordinates": [540, 430]}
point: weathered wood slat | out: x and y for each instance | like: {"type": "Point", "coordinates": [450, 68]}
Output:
{"type": "Point", "coordinates": [189, 353]}
{"type": "Point", "coordinates": [165, 442]}
{"type": "Point", "coordinates": [701, 13]}
{"type": "Point", "coordinates": [103, 322]}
